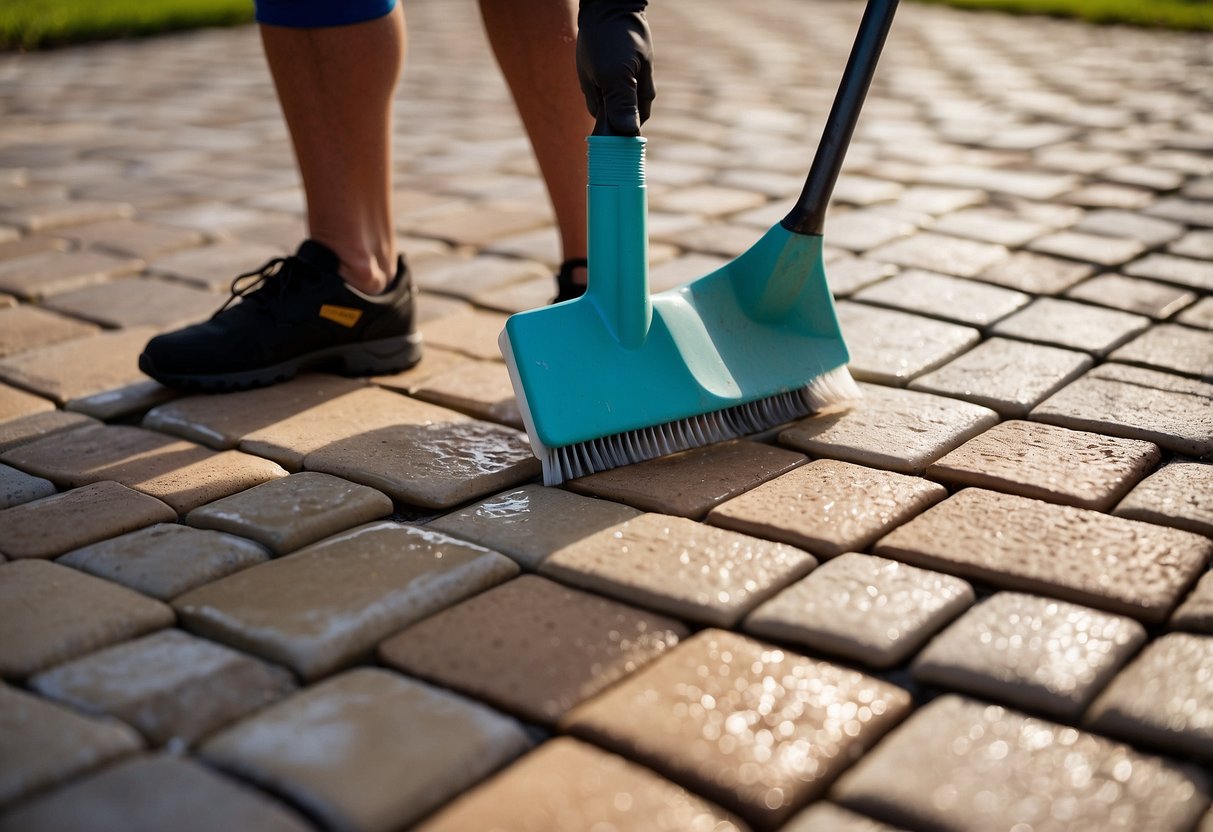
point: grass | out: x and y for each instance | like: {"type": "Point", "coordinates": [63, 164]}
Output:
{"type": "Point", "coordinates": [30, 24]}
{"type": "Point", "coordinates": [1195, 15]}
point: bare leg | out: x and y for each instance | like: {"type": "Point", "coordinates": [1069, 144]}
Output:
{"type": "Point", "coordinates": [335, 86]}
{"type": "Point", "coordinates": [535, 46]}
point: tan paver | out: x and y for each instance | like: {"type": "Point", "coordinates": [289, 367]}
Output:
{"type": "Point", "coordinates": [866, 609]}
{"type": "Point", "coordinates": [465, 277]}
{"type": "Point", "coordinates": [962, 301]}
{"type": "Point", "coordinates": [152, 793]}
{"type": "Point", "coordinates": [21, 430]}
{"type": "Point", "coordinates": [681, 567]}
{"type": "Point", "coordinates": [1143, 297]}
{"type": "Point", "coordinates": [552, 647]}
{"type": "Point", "coordinates": [27, 327]}
{"type": "Point", "coordinates": [939, 253]}
{"type": "Point", "coordinates": [172, 687]}
{"type": "Point", "coordinates": [140, 301]}
{"type": "Point", "coordinates": [41, 275]}
{"type": "Point", "coordinates": [1164, 698]}
{"type": "Point", "coordinates": [329, 604]}
{"type": "Point", "coordinates": [31, 244]}
{"type": "Point", "coordinates": [1075, 325]}
{"type": "Point", "coordinates": [42, 744]}
{"type": "Point", "coordinates": [1049, 463]}
{"type": "Point", "coordinates": [131, 238]}
{"type": "Point", "coordinates": [435, 364]}
{"type": "Point", "coordinates": [167, 559]}
{"type": "Point", "coordinates": [215, 266]}
{"type": "Point", "coordinates": [52, 525]}
{"type": "Point", "coordinates": [828, 507]}
{"type": "Point", "coordinates": [481, 389]}
{"type": "Point", "coordinates": [901, 430]}
{"type": "Point", "coordinates": [15, 403]}
{"type": "Point", "coordinates": [1180, 494]}
{"type": "Point", "coordinates": [286, 514]}
{"type": "Point", "coordinates": [43, 216]}
{"type": "Point", "coordinates": [1171, 348]}
{"type": "Point", "coordinates": [1037, 274]}
{"type": "Point", "coordinates": [993, 769]}
{"type": "Point", "coordinates": [1031, 652]}
{"type": "Point", "coordinates": [51, 614]}
{"type": "Point", "coordinates": [706, 199]}
{"type": "Point", "coordinates": [369, 751]}
{"type": "Point", "coordinates": [829, 817]}
{"type": "Point", "coordinates": [891, 347]}
{"type": "Point", "coordinates": [1195, 274]}
{"type": "Point", "coordinates": [1200, 314]}
{"type": "Point", "coordinates": [569, 786]}
{"type": "Point", "coordinates": [1122, 566]}
{"type": "Point", "coordinates": [1195, 244]}
{"type": "Point", "coordinates": [758, 729]}
{"type": "Point", "coordinates": [1196, 612]}
{"type": "Point", "coordinates": [18, 488]}
{"type": "Point", "coordinates": [477, 225]}
{"type": "Point", "coordinates": [691, 483]}
{"type": "Point", "coordinates": [532, 522]}
{"type": "Point", "coordinates": [1136, 403]}
{"type": "Point", "coordinates": [474, 333]}
{"type": "Point", "coordinates": [848, 275]}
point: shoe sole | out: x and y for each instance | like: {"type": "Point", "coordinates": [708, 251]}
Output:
{"type": "Point", "coordinates": [388, 355]}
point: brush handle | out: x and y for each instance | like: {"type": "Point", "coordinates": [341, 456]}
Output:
{"type": "Point", "coordinates": [808, 216]}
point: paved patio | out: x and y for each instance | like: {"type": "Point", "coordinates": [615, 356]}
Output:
{"type": "Point", "coordinates": [980, 601]}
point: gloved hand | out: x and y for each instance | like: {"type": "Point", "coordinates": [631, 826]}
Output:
{"type": "Point", "coordinates": [614, 63]}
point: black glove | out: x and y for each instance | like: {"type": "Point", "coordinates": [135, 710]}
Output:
{"type": "Point", "coordinates": [614, 63]}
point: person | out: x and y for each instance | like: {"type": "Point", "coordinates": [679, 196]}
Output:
{"type": "Point", "coordinates": [344, 300]}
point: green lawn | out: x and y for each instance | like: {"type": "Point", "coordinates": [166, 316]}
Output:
{"type": "Point", "coordinates": [1171, 14]}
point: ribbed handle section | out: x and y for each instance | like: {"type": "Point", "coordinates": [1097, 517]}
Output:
{"type": "Point", "coordinates": [616, 160]}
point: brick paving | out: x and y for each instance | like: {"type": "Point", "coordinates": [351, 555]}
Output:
{"type": "Point", "coordinates": [980, 601]}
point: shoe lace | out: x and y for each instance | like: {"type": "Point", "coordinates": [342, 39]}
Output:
{"type": "Point", "coordinates": [248, 287]}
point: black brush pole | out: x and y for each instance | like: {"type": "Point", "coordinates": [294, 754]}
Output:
{"type": "Point", "coordinates": [808, 216]}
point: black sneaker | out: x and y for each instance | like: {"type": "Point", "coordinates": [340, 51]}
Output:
{"type": "Point", "coordinates": [566, 289]}
{"type": "Point", "coordinates": [297, 314]}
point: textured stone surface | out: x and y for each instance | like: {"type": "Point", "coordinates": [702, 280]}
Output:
{"type": "Point", "coordinates": [1049, 463]}
{"type": "Point", "coordinates": [27, 327]}
{"type": "Point", "coordinates": [1143, 297]}
{"type": "Point", "coordinates": [291, 512]}
{"type": "Point", "coordinates": [569, 786]}
{"type": "Point", "coordinates": [828, 817]}
{"type": "Point", "coordinates": [474, 333]}
{"type": "Point", "coordinates": [52, 525]}
{"type": "Point", "coordinates": [167, 559]}
{"type": "Point", "coordinates": [131, 238]}
{"type": "Point", "coordinates": [15, 404]}
{"type": "Point", "coordinates": [139, 302]}
{"type": "Point", "coordinates": [50, 614]}
{"type": "Point", "coordinates": [42, 743]}
{"type": "Point", "coordinates": [866, 609]}
{"type": "Point", "coordinates": [1031, 652]}
{"type": "Point", "coordinates": [1179, 495]}
{"type": "Point", "coordinates": [848, 275]}
{"type": "Point", "coordinates": [1199, 314]}
{"type": "Point", "coordinates": [464, 277]}
{"type": "Point", "coordinates": [1196, 612]}
{"type": "Point", "coordinates": [37, 276]}
{"type": "Point", "coordinates": [1092, 248]}
{"type": "Point", "coordinates": [891, 347]}
{"type": "Point", "coordinates": [531, 522]}
{"type": "Point", "coordinates": [18, 430]}
{"type": "Point", "coordinates": [1074, 325]}
{"type": "Point", "coordinates": [18, 487]}
{"type": "Point", "coordinates": [554, 647]}
{"type": "Point", "coordinates": [938, 253]}
{"type": "Point", "coordinates": [368, 751]}
{"type": "Point", "coordinates": [478, 388]}
{"type": "Point", "coordinates": [963, 301]}
{"type": "Point", "coordinates": [1123, 566]}
{"type": "Point", "coordinates": [328, 605]}
{"type": "Point", "coordinates": [172, 687]}
{"type": "Point", "coordinates": [828, 507]}
{"type": "Point", "coordinates": [681, 567]}
{"type": "Point", "coordinates": [215, 266]}
{"type": "Point", "coordinates": [902, 430]}
{"type": "Point", "coordinates": [758, 729]}
{"type": "Point", "coordinates": [1129, 224]}
{"type": "Point", "coordinates": [1195, 274]}
{"type": "Point", "coordinates": [1036, 274]}
{"type": "Point", "coordinates": [1171, 348]}
{"type": "Point", "coordinates": [81, 367]}
{"type": "Point", "coordinates": [990, 226]}
{"type": "Point", "coordinates": [997, 769]}
{"type": "Point", "coordinates": [689, 484]}
{"type": "Point", "coordinates": [1137, 403]}
{"type": "Point", "coordinates": [1164, 698]}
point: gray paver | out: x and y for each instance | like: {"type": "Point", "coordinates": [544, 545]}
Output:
{"type": "Point", "coordinates": [1074, 325]}
{"type": "Point", "coordinates": [1036, 273]}
{"type": "Point", "coordinates": [962, 301]}
{"type": "Point", "coordinates": [892, 347]}
{"type": "Point", "coordinates": [1144, 297]}
{"type": "Point", "coordinates": [938, 253]}
{"type": "Point", "coordinates": [18, 487]}
{"type": "Point", "coordinates": [1171, 348]}
{"type": "Point", "coordinates": [1197, 274]}
{"type": "Point", "coordinates": [1200, 314]}
{"type": "Point", "coordinates": [41, 275]}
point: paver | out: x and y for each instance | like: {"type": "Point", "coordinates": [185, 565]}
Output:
{"type": "Point", "coordinates": [866, 609]}
{"type": "Point", "coordinates": [990, 226]}
{"type": "Point", "coordinates": [52, 525]}
{"type": "Point", "coordinates": [481, 389]}
{"type": "Point", "coordinates": [16, 403]}
{"type": "Point", "coordinates": [1049, 463]}
{"type": "Point", "coordinates": [19, 430]}
{"type": "Point", "coordinates": [758, 729]}
{"type": "Point", "coordinates": [464, 277]}
{"type": "Point", "coordinates": [30, 244]}
{"type": "Point", "coordinates": [166, 559]}
{"type": "Point", "coordinates": [368, 751]}
{"type": "Point", "coordinates": [962, 301]}
{"type": "Point", "coordinates": [691, 483]}
{"type": "Point", "coordinates": [1106, 195]}
{"type": "Point", "coordinates": [474, 333]}
{"type": "Point", "coordinates": [994, 769]}
{"type": "Point", "coordinates": [682, 269]}
{"type": "Point", "coordinates": [891, 347]}
{"type": "Point", "coordinates": [1145, 176]}
{"type": "Point", "coordinates": [40, 275]}
{"type": "Point", "coordinates": [328, 605]}
{"type": "Point", "coordinates": [138, 302]}
{"type": "Point", "coordinates": [1174, 412]}
{"type": "Point", "coordinates": [847, 275]}
{"type": "Point", "coordinates": [131, 238]}
{"type": "Point", "coordinates": [710, 200]}
{"type": "Point", "coordinates": [1144, 297]}
{"type": "Point", "coordinates": [213, 218]}
{"type": "Point", "coordinates": [938, 253]}
{"type": "Point", "coordinates": [51, 614]}
{"type": "Point", "coordinates": [828, 507]}
{"type": "Point", "coordinates": [42, 743]}
{"type": "Point", "coordinates": [1200, 314]}
{"type": "Point", "coordinates": [477, 225]}
{"type": "Point", "coordinates": [435, 364]}
{"type": "Point", "coordinates": [1130, 225]}
{"type": "Point", "coordinates": [213, 267]}
{"type": "Point", "coordinates": [1090, 248]}
{"type": "Point", "coordinates": [1187, 211]}
{"type": "Point", "coordinates": [863, 230]}
{"type": "Point", "coordinates": [902, 430]}
{"type": "Point", "coordinates": [553, 647]}
{"type": "Point", "coordinates": [1164, 698]}
{"type": "Point", "coordinates": [1171, 348]}
{"type": "Point", "coordinates": [1031, 652]}
{"type": "Point", "coordinates": [1075, 325]}
{"type": "Point", "coordinates": [148, 793]}
{"type": "Point", "coordinates": [1196, 612]}
{"type": "Point", "coordinates": [1196, 274]}
{"type": "Point", "coordinates": [1197, 244]}
{"type": "Point", "coordinates": [1075, 554]}
{"type": "Point", "coordinates": [1037, 274]}
{"type": "Point", "coordinates": [18, 487]}
{"type": "Point", "coordinates": [532, 522]}
{"type": "Point", "coordinates": [41, 217]}
{"type": "Point", "coordinates": [569, 786]}
{"type": "Point", "coordinates": [286, 514]}
{"type": "Point", "coordinates": [27, 327]}
{"type": "Point", "coordinates": [680, 567]}
{"type": "Point", "coordinates": [1180, 494]}
{"type": "Point", "coordinates": [1023, 183]}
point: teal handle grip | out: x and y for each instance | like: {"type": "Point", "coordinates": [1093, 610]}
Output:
{"type": "Point", "coordinates": [617, 211]}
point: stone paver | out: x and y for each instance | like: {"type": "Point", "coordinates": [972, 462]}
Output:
{"type": "Point", "coordinates": [138, 302]}
{"type": "Point", "coordinates": [828, 817]}
{"type": "Point", "coordinates": [866, 609]}
{"type": "Point", "coordinates": [1164, 698]}
{"type": "Point", "coordinates": [27, 327]}
{"type": "Point", "coordinates": [962, 301]}
{"type": "Point", "coordinates": [1090, 248]}
{"type": "Point", "coordinates": [166, 559]}
{"type": "Point", "coordinates": [24, 429]}
{"type": "Point", "coordinates": [18, 487]}
{"type": "Point", "coordinates": [942, 254]}
{"type": "Point", "coordinates": [892, 347]}
{"type": "Point", "coordinates": [465, 277]}
{"type": "Point", "coordinates": [172, 687]}
{"type": "Point", "coordinates": [1171, 348]}
{"type": "Point", "coordinates": [329, 604]}
{"type": "Point", "coordinates": [474, 333]}
{"type": "Point", "coordinates": [15, 403]}
{"type": "Point", "coordinates": [1025, 271]}
{"type": "Point", "coordinates": [1077, 326]}
{"type": "Point", "coordinates": [41, 275]}
{"type": "Point", "coordinates": [998, 769]}
{"type": "Point", "coordinates": [986, 225]}
{"type": "Point", "coordinates": [213, 267]}
{"type": "Point", "coordinates": [554, 647]}
{"type": "Point", "coordinates": [286, 514]}
{"type": "Point", "coordinates": [1179, 495]}
{"type": "Point", "coordinates": [680, 567]}
{"type": "Point", "coordinates": [1131, 225]}
{"type": "Point", "coordinates": [1012, 542]}
{"type": "Point", "coordinates": [1049, 463]}
{"type": "Point", "coordinates": [1196, 612]}
{"type": "Point", "coordinates": [1143, 297]}
{"type": "Point", "coordinates": [1185, 271]}
{"type": "Point", "coordinates": [481, 389]}
{"type": "Point", "coordinates": [1196, 244]}
{"type": "Point", "coordinates": [1199, 314]}
{"type": "Point", "coordinates": [369, 751]}
{"type": "Point", "coordinates": [131, 238]}
{"type": "Point", "coordinates": [1031, 652]}
{"type": "Point", "coordinates": [847, 275]}
{"type": "Point", "coordinates": [757, 729]}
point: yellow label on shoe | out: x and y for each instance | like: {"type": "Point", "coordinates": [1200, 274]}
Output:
{"type": "Point", "coordinates": [343, 315]}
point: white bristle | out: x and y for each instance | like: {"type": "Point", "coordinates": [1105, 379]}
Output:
{"type": "Point", "coordinates": [833, 389]}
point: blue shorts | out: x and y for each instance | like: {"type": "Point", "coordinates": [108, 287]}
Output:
{"type": "Point", "coordinates": [309, 14]}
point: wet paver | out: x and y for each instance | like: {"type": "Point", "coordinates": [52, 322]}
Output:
{"type": "Point", "coordinates": [1196, 612]}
